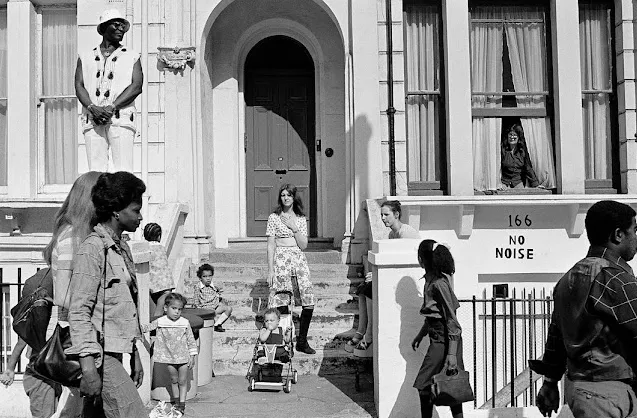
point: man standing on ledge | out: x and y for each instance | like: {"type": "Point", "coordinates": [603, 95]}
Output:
{"type": "Point", "coordinates": [108, 78]}
{"type": "Point", "coordinates": [593, 327]}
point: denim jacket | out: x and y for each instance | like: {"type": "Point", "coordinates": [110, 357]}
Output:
{"type": "Point", "coordinates": [88, 302]}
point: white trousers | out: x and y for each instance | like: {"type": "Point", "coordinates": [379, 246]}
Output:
{"type": "Point", "coordinates": [120, 141]}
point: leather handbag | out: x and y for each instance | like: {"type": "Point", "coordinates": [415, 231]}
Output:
{"type": "Point", "coordinates": [54, 364]}
{"type": "Point", "coordinates": [31, 314]}
{"type": "Point", "coordinates": [451, 387]}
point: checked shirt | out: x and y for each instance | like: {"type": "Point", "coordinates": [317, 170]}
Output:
{"type": "Point", "coordinates": [593, 327]}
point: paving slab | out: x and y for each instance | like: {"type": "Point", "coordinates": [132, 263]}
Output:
{"type": "Point", "coordinates": [312, 397]}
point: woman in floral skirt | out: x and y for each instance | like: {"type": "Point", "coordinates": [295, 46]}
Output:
{"type": "Point", "coordinates": [287, 238]}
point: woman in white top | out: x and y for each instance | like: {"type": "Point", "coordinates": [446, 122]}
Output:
{"type": "Point", "coordinates": [73, 222]}
{"type": "Point", "coordinates": [360, 344]}
{"type": "Point", "coordinates": [390, 212]}
{"type": "Point", "coordinates": [287, 238]}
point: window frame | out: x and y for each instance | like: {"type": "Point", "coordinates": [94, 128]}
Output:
{"type": "Point", "coordinates": [503, 112]}
{"type": "Point", "coordinates": [42, 186]}
{"type": "Point", "coordinates": [436, 187]}
{"type": "Point", "coordinates": [548, 111]}
{"type": "Point", "coordinates": [613, 184]}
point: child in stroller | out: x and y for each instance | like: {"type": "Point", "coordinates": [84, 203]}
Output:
{"type": "Point", "coordinates": [272, 352]}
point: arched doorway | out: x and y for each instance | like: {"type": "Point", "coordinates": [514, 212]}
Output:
{"type": "Point", "coordinates": [280, 128]}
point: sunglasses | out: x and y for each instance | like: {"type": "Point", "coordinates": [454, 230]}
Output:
{"type": "Point", "coordinates": [117, 25]}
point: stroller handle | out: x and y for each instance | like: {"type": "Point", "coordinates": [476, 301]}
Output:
{"type": "Point", "coordinates": [284, 292]}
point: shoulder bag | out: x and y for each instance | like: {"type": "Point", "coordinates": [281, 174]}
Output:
{"type": "Point", "coordinates": [53, 363]}
{"type": "Point", "coordinates": [32, 313]}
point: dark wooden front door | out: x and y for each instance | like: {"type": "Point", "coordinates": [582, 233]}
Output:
{"type": "Point", "coordinates": [279, 143]}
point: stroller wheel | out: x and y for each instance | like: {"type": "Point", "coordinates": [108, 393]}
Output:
{"type": "Point", "coordinates": [288, 387]}
{"type": "Point", "coordinates": [295, 377]}
{"type": "Point", "coordinates": [252, 384]}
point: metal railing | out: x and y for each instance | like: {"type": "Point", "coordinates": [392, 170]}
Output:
{"type": "Point", "coordinates": [506, 332]}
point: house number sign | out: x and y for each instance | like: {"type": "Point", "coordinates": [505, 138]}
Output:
{"type": "Point", "coordinates": [516, 246]}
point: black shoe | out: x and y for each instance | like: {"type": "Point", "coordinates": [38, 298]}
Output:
{"type": "Point", "coordinates": [219, 328]}
{"type": "Point", "coordinates": [304, 347]}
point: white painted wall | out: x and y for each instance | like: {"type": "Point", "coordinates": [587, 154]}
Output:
{"type": "Point", "coordinates": [556, 236]}
{"type": "Point", "coordinates": [569, 137]}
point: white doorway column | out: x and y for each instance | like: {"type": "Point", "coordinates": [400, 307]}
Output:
{"type": "Point", "coordinates": [184, 177]}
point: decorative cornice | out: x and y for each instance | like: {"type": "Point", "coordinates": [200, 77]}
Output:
{"type": "Point", "coordinates": [176, 58]}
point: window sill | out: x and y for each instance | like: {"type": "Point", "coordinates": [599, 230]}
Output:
{"type": "Point", "coordinates": [421, 192]}
{"type": "Point", "coordinates": [508, 192]}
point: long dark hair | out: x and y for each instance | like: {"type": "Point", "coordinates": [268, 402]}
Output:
{"type": "Point", "coordinates": [297, 205]}
{"type": "Point", "coordinates": [520, 146]}
{"type": "Point", "coordinates": [437, 256]}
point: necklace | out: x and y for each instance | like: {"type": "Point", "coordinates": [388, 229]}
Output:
{"type": "Point", "coordinates": [108, 51]}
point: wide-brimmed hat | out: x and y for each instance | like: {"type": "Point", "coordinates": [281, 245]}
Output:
{"type": "Point", "coordinates": [109, 15]}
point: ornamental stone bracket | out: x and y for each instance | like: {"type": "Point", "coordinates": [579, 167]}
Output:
{"type": "Point", "coordinates": [176, 58]}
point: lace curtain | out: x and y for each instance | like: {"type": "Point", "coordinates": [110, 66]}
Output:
{"type": "Point", "coordinates": [3, 96]}
{"type": "Point", "coordinates": [59, 59]}
{"type": "Point", "coordinates": [423, 74]}
{"type": "Point", "coordinates": [595, 61]}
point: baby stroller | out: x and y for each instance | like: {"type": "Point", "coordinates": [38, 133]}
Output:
{"type": "Point", "coordinates": [266, 369]}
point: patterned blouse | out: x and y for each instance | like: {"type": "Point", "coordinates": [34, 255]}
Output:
{"type": "Point", "coordinates": [160, 275]}
{"type": "Point", "coordinates": [175, 342]}
{"type": "Point", "coordinates": [206, 297]}
{"type": "Point", "coordinates": [276, 227]}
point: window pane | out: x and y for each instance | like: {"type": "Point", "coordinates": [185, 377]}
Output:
{"type": "Point", "coordinates": [595, 63]}
{"type": "Point", "coordinates": [486, 56]}
{"type": "Point", "coordinates": [525, 34]}
{"type": "Point", "coordinates": [422, 50]}
{"type": "Point", "coordinates": [59, 57]}
{"type": "Point", "coordinates": [3, 97]}
{"type": "Point", "coordinates": [515, 35]}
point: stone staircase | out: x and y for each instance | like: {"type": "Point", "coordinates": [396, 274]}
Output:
{"type": "Point", "coordinates": [241, 271]}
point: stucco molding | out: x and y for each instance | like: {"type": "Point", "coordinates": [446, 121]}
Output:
{"type": "Point", "coordinates": [176, 58]}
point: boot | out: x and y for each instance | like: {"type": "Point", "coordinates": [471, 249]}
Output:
{"type": "Point", "coordinates": [301, 340]}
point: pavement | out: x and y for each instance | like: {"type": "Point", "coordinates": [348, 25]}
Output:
{"type": "Point", "coordinates": [332, 396]}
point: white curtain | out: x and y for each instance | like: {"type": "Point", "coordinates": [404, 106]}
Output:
{"type": "Point", "coordinates": [59, 58]}
{"type": "Point", "coordinates": [423, 73]}
{"type": "Point", "coordinates": [527, 54]}
{"type": "Point", "coordinates": [3, 94]}
{"type": "Point", "coordinates": [595, 61]}
{"type": "Point", "coordinates": [486, 75]}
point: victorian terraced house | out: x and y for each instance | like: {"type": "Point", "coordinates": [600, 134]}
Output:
{"type": "Point", "coordinates": [350, 100]}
